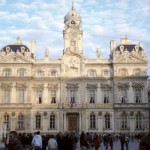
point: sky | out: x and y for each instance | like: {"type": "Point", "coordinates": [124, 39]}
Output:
{"type": "Point", "coordinates": [102, 21]}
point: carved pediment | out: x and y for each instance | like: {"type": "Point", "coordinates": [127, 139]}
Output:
{"type": "Point", "coordinates": [137, 85]}
{"type": "Point", "coordinates": [91, 86]}
{"type": "Point", "coordinates": [53, 85]}
{"type": "Point", "coordinates": [72, 85]}
{"type": "Point", "coordinates": [6, 85]}
{"type": "Point", "coordinates": [21, 85]}
{"type": "Point", "coordinates": [39, 86]}
{"type": "Point", "coordinates": [106, 86]}
{"type": "Point", "coordinates": [14, 58]}
{"type": "Point", "coordinates": [123, 85]}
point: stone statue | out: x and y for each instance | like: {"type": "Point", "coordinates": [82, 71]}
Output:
{"type": "Point", "coordinates": [46, 53]}
{"type": "Point", "coordinates": [98, 52]}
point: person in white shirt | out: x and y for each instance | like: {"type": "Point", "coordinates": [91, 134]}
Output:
{"type": "Point", "coordinates": [52, 143]}
{"type": "Point", "coordinates": [37, 141]}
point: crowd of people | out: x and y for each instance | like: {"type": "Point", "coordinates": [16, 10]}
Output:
{"type": "Point", "coordinates": [68, 141]}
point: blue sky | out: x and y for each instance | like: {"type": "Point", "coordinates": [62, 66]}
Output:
{"type": "Point", "coordinates": [102, 21]}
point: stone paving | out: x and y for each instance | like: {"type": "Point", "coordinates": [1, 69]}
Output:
{"type": "Point", "coordinates": [132, 146]}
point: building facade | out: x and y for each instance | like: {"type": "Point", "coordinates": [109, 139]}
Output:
{"type": "Point", "coordinates": [74, 92]}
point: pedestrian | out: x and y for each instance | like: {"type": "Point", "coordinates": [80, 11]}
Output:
{"type": "Point", "coordinates": [14, 143]}
{"type": "Point", "coordinates": [145, 143]}
{"type": "Point", "coordinates": [96, 142]}
{"type": "Point", "coordinates": [127, 142]}
{"type": "Point", "coordinates": [52, 143]}
{"type": "Point", "coordinates": [37, 141]}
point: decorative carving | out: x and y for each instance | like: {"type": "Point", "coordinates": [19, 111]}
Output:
{"type": "Point", "coordinates": [21, 85]}
{"type": "Point", "coordinates": [72, 85]}
{"type": "Point", "coordinates": [137, 85]}
{"type": "Point", "coordinates": [53, 85]}
{"type": "Point", "coordinates": [98, 52]}
{"type": "Point", "coordinates": [40, 85]}
{"type": "Point", "coordinates": [106, 86]}
{"type": "Point", "coordinates": [92, 86]}
{"type": "Point", "coordinates": [6, 85]}
{"type": "Point", "coordinates": [131, 113]}
{"type": "Point", "coordinates": [100, 113]}
{"type": "Point", "coordinates": [13, 114]}
{"type": "Point", "coordinates": [123, 85]}
{"type": "Point", "coordinates": [44, 113]}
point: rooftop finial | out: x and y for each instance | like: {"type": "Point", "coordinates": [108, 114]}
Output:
{"type": "Point", "coordinates": [72, 5]}
{"type": "Point", "coordinates": [18, 40]}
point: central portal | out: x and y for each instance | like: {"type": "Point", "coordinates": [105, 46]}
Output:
{"type": "Point", "coordinates": [73, 121]}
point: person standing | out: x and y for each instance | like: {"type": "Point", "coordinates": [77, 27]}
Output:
{"type": "Point", "coordinates": [37, 141]}
{"type": "Point", "coordinates": [52, 143]}
{"type": "Point", "coordinates": [14, 143]}
{"type": "Point", "coordinates": [145, 143]}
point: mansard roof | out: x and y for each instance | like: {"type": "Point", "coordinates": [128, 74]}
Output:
{"type": "Point", "coordinates": [129, 47]}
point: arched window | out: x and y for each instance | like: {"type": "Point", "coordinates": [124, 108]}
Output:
{"type": "Point", "coordinates": [38, 121]}
{"type": "Point", "coordinates": [124, 122]}
{"type": "Point", "coordinates": [53, 73]}
{"type": "Point", "coordinates": [123, 72]}
{"type": "Point", "coordinates": [6, 121]}
{"type": "Point", "coordinates": [21, 72]}
{"type": "Point", "coordinates": [21, 121]}
{"type": "Point", "coordinates": [136, 72]}
{"type": "Point", "coordinates": [92, 121]}
{"type": "Point", "coordinates": [7, 72]}
{"type": "Point", "coordinates": [139, 120]}
{"type": "Point", "coordinates": [91, 73]}
{"type": "Point", "coordinates": [105, 73]}
{"type": "Point", "coordinates": [52, 121]}
{"type": "Point", "coordinates": [40, 73]}
{"type": "Point", "coordinates": [107, 121]}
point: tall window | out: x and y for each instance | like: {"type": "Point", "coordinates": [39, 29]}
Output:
{"type": "Point", "coordinates": [92, 121]}
{"type": "Point", "coordinates": [7, 97]}
{"type": "Point", "coordinates": [53, 96]}
{"type": "Point", "coordinates": [40, 73]}
{"type": "Point", "coordinates": [52, 121]}
{"type": "Point", "coordinates": [136, 72]}
{"type": "Point", "coordinates": [38, 121]}
{"type": "Point", "coordinates": [107, 121]}
{"type": "Point", "coordinates": [7, 72]}
{"type": "Point", "coordinates": [124, 121]}
{"type": "Point", "coordinates": [138, 95]}
{"type": "Point", "coordinates": [21, 72]}
{"type": "Point", "coordinates": [106, 96]}
{"type": "Point", "coordinates": [139, 119]}
{"type": "Point", "coordinates": [53, 73]}
{"type": "Point", "coordinates": [20, 121]}
{"type": "Point", "coordinates": [123, 95]}
{"type": "Point", "coordinates": [72, 96]}
{"type": "Point", "coordinates": [21, 95]}
{"type": "Point", "coordinates": [123, 72]}
{"type": "Point", "coordinates": [92, 73]}
{"type": "Point", "coordinates": [39, 96]}
{"type": "Point", "coordinates": [7, 121]}
{"type": "Point", "coordinates": [106, 73]}
{"type": "Point", "coordinates": [92, 96]}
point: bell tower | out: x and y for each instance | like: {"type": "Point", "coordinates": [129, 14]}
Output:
{"type": "Point", "coordinates": [72, 33]}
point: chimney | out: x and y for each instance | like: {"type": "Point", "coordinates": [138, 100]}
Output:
{"type": "Point", "coordinates": [32, 46]}
{"type": "Point", "coordinates": [112, 45]}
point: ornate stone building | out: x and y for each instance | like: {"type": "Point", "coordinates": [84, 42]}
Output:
{"type": "Point", "coordinates": [74, 92]}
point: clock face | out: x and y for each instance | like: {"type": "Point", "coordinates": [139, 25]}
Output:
{"type": "Point", "coordinates": [72, 22]}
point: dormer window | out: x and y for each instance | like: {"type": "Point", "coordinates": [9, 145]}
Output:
{"type": "Point", "coordinates": [53, 73]}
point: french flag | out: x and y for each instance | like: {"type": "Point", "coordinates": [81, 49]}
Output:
{"type": "Point", "coordinates": [72, 102]}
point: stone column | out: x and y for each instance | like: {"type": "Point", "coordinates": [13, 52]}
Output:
{"type": "Point", "coordinates": [86, 123]}
{"type": "Point", "coordinates": [13, 93]}
{"type": "Point", "coordinates": [131, 94]}
{"type": "Point", "coordinates": [80, 122]}
{"type": "Point", "coordinates": [45, 93]}
{"type": "Point", "coordinates": [65, 122]}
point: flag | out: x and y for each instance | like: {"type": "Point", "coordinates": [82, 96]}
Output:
{"type": "Point", "coordinates": [72, 102]}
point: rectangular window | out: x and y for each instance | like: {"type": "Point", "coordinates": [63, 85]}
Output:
{"type": "Point", "coordinates": [7, 96]}
{"type": "Point", "coordinates": [39, 96]}
{"type": "Point", "coordinates": [7, 73]}
{"type": "Point", "coordinates": [138, 95]}
{"type": "Point", "coordinates": [52, 122]}
{"type": "Point", "coordinates": [53, 96]}
{"type": "Point", "coordinates": [106, 96]}
{"type": "Point", "coordinates": [123, 95]}
{"type": "Point", "coordinates": [20, 122]}
{"type": "Point", "coordinates": [72, 95]}
{"type": "Point", "coordinates": [92, 122]}
{"type": "Point", "coordinates": [92, 96]}
{"type": "Point", "coordinates": [38, 122]}
{"type": "Point", "coordinates": [21, 94]}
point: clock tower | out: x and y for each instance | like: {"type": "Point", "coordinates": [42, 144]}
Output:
{"type": "Point", "coordinates": [72, 33]}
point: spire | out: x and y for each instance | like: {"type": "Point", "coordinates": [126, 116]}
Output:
{"type": "Point", "coordinates": [18, 42]}
{"type": "Point", "coordinates": [72, 5]}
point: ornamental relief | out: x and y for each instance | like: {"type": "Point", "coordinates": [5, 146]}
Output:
{"type": "Point", "coordinates": [91, 86]}
{"type": "Point", "coordinates": [123, 85]}
{"type": "Point", "coordinates": [72, 85]}
{"type": "Point", "coordinates": [53, 85]}
{"type": "Point", "coordinates": [137, 85]}
{"type": "Point", "coordinates": [106, 86]}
